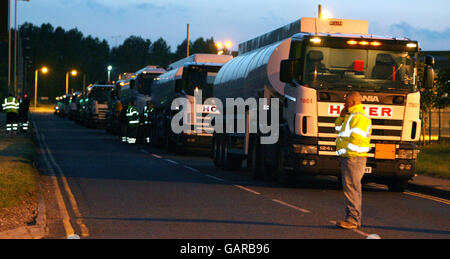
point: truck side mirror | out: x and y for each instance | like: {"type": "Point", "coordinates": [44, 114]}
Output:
{"type": "Point", "coordinates": [290, 70]}
{"type": "Point", "coordinates": [428, 75]}
{"type": "Point", "coordinates": [428, 79]}
{"type": "Point", "coordinates": [429, 61]}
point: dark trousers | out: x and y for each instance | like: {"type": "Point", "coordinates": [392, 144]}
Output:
{"type": "Point", "coordinates": [12, 122]}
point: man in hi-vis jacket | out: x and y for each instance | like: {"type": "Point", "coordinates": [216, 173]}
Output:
{"type": "Point", "coordinates": [352, 145]}
{"type": "Point", "coordinates": [11, 107]}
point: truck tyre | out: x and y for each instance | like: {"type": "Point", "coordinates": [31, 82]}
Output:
{"type": "Point", "coordinates": [231, 162]}
{"type": "Point", "coordinates": [264, 169]}
{"type": "Point", "coordinates": [398, 186]}
{"type": "Point", "coordinates": [281, 174]}
{"type": "Point", "coordinates": [217, 150]}
{"type": "Point", "coordinates": [252, 159]}
{"type": "Point", "coordinates": [256, 158]}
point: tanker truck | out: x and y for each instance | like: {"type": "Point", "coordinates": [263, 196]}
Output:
{"type": "Point", "coordinates": [309, 66]}
{"type": "Point", "coordinates": [185, 78]}
{"type": "Point", "coordinates": [139, 88]}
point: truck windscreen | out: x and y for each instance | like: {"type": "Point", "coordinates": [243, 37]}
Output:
{"type": "Point", "coordinates": [100, 94]}
{"type": "Point", "coordinates": [359, 69]}
{"type": "Point", "coordinates": [145, 82]}
{"type": "Point", "coordinates": [200, 78]}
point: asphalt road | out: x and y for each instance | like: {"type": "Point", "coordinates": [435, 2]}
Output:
{"type": "Point", "coordinates": [114, 190]}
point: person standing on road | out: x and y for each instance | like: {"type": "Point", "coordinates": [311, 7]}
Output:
{"type": "Point", "coordinates": [352, 145]}
{"type": "Point", "coordinates": [11, 107]}
{"type": "Point", "coordinates": [23, 112]}
{"type": "Point", "coordinates": [133, 122]}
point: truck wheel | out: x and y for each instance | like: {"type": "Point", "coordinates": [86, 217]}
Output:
{"type": "Point", "coordinates": [252, 160]}
{"type": "Point", "coordinates": [256, 159]}
{"type": "Point", "coordinates": [231, 162]}
{"type": "Point", "coordinates": [282, 175]}
{"type": "Point", "coordinates": [398, 186]}
{"type": "Point", "coordinates": [216, 151]}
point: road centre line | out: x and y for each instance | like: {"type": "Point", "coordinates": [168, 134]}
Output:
{"type": "Point", "coordinates": [190, 168]}
{"type": "Point", "coordinates": [171, 161]}
{"type": "Point", "coordinates": [154, 155]}
{"type": "Point", "coordinates": [247, 189]}
{"type": "Point", "coordinates": [215, 178]}
{"type": "Point", "coordinates": [291, 206]}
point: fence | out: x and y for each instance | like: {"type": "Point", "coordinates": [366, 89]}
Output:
{"type": "Point", "coordinates": [440, 125]}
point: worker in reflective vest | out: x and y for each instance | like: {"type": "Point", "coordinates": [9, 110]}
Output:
{"type": "Point", "coordinates": [145, 121]}
{"type": "Point", "coordinates": [23, 113]}
{"type": "Point", "coordinates": [354, 128]}
{"type": "Point", "coordinates": [133, 123]}
{"type": "Point", "coordinates": [11, 107]}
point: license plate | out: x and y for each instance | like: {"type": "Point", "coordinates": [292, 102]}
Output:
{"type": "Point", "coordinates": [368, 170]}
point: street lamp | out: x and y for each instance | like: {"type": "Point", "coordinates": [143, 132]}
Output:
{"type": "Point", "coordinates": [223, 48]}
{"type": "Point", "coordinates": [109, 73]}
{"type": "Point", "coordinates": [44, 70]}
{"type": "Point", "coordinates": [73, 73]}
{"type": "Point", "coordinates": [16, 40]}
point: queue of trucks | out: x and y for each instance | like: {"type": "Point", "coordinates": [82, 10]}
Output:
{"type": "Point", "coordinates": [290, 84]}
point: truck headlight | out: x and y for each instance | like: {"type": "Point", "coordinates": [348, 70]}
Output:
{"type": "Point", "coordinates": [305, 149]}
{"type": "Point", "coordinates": [407, 154]}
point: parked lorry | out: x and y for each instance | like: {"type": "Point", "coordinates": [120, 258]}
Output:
{"type": "Point", "coordinates": [96, 104]}
{"type": "Point", "coordinates": [309, 66]}
{"type": "Point", "coordinates": [186, 76]}
{"type": "Point", "coordinates": [140, 88]}
{"type": "Point", "coordinates": [114, 104]}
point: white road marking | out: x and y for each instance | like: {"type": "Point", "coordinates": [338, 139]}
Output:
{"type": "Point", "coordinates": [171, 161]}
{"type": "Point", "coordinates": [215, 178]}
{"type": "Point", "coordinates": [156, 156]}
{"type": "Point", "coordinates": [144, 151]}
{"type": "Point", "coordinates": [192, 169]}
{"type": "Point", "coordinates": [247, 189]}
{"type": "Point", "coordinates": [291, 206]}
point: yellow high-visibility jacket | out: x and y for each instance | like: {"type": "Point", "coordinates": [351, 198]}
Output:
{"type": "Point", "coordinates": [354, 134]}
{"type": "Point", "coordinates": [11, 105]}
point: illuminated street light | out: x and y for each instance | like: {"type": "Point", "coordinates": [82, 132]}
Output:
{"type": "Point", "coordinates": [109, 73]}
{"type": "Point", "coordinates": [73, 73]}
{"type": "Point", "coordinates": [44, 70]}
{"type": "Point", "coordinates": [223, 48]}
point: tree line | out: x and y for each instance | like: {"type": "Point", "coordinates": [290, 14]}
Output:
{"type": "Point", "coordinates": [64, 50]}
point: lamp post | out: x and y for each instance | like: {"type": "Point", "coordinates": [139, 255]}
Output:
{"type": "Point", "coordinates": [16, 44]}
{"type": "Point", "coordinates": [44, 70]}
{"type": "Point", "coordinates": [223, 49]}
{"type": "Point", "coordinates": [109, 73]}
{"type": "Point", "coordinates": [73, 73]}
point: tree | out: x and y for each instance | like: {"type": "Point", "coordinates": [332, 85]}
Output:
{"type": "Point", "coordinates": [132, 55]}
{"type": "Point", "coordinates": [160, 53]}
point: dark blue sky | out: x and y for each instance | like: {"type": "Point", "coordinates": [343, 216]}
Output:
{"type": "Point", "coordinates": [236, 20]}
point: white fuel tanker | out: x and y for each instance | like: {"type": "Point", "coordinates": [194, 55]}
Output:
{"type": "Point", "coordinates": [309, 66]}
{"type": "Point", "coordinates": [186, 76]}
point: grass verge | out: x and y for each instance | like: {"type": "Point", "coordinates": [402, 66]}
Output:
{"type": "Point", "coordinates": [18, 176]}
{"type": "Point", "coordinates": [434, 160]}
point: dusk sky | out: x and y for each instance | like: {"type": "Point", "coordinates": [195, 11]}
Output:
{"type": "Point", "coordinates": [115, 20]}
